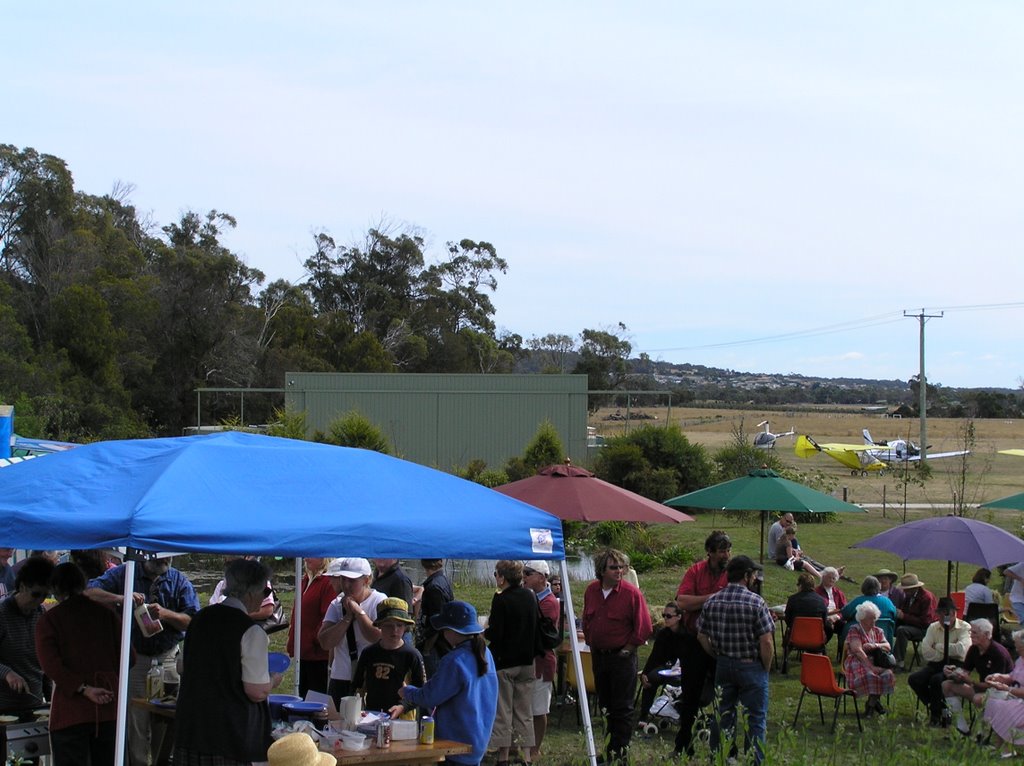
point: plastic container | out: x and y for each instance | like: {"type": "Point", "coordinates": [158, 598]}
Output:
{"type": "Point", "coordinates": [155, 680]}
{"type": "Point", "coordinates": [276, 702]}
{"type": "Point", "coordinates": [278, 662]}
{"type": "Point", "coordinates": [353, 740]}
{"type": "Point", "coordinates": [303, 711]}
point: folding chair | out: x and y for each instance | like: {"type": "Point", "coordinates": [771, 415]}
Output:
{"type": "Point", "coordinates": [572, 687]}
{"type": "Point", "coordinates": [817, 679]}
{"type": "Point", "coordinates": [807, 634]}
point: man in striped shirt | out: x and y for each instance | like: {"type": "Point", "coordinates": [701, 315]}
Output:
{"type": "Point", "coordinates": [736, 628]}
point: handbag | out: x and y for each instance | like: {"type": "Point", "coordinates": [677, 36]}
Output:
{"type": "Point", "coordinates": [882, 659]}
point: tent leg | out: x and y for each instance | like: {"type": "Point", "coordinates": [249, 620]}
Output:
{"type": "Point", "coordinates": [126, 653]}
{"type": "Point", "coordinates": [588, 728]}
{"type": "Point", "coordinates": [297, 649]}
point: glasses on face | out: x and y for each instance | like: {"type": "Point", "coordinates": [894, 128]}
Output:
{"type": "Point", "coordinates": [616, 566]}
{"type": "Point", "coordinates": [668, 616]}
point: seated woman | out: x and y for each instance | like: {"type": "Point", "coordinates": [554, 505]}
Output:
{"type": "Point", "coordinates": [870, 592]}
{"type": "Point", "coordinates": [789, 555]}
{"type": "Point", "coordinates": [804, 603]}
{"type": "Point", "coordinates": [978, 591]}
{"type": "Point", "coordinates": [1006, 715]}
{"type": "Point", "coordinates": [834, 600]}
{"type": "Point", "coordinates": [668, 647]}
{"type": "Point", "coordinates": [862, 674]}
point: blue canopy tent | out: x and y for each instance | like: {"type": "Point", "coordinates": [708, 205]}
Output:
{"type": "Point", "coordinates": [243, 493]}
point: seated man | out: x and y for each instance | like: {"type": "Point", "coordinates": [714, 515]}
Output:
{"type": "Point", "coordinates": [927, 682]}
{"type": "Point", "coordinates": [914, 617]}
{"type": "Point", "coordinates": [985, 656]}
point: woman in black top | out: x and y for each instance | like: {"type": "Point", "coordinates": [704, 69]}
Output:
{"type": "Point", "coordinates": [512, 633]}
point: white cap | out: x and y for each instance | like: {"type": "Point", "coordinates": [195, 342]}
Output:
{"type": "Point", "coordinates": [538, 565]}
{"type": "Point", "coordinates": [348, 568]}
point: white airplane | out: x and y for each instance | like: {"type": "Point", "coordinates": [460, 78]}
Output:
{"type": "Point", "coordinates": [766, 439]}
{"type": "Point", "coordinates": [903, 451]}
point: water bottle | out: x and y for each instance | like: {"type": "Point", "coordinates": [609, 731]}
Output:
{"type": "Point", "coordinates": [155, 680]}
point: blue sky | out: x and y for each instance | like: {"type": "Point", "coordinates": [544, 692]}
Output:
{"type": "Point", "coordinates": [706, 173]}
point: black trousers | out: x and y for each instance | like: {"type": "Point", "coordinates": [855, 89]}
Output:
{"type": "Point", "coordinates": [927, 685]}
{"type": "Point", "coordinates": [84, 744]}
{"type": "Point", "coordinates": [615, 680]}
{"type": "Point", "coordinates": [312, 675]}
{"type": "Point", "coordinates": [697, 665]}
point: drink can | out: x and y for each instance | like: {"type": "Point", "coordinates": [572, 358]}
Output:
{"type": "Point", "coordinates": [384, 733]}
{"type": "Point", "coordinates": [427, 730]}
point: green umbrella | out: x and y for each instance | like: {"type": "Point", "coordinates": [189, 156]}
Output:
{"type": "Point", "coordinates": [1011, 503]}
{"type": "Point", "coordinates": [765, 491]}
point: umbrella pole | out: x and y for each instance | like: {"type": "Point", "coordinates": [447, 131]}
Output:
{"type": "Point", "coordinates": [762, 535]}
{"type": "Point", "coordinates": [581, 688]}
{"type": "Point", "coordinates": [949, 577]}
{"type": "Point", "coordinates": [127, 607]}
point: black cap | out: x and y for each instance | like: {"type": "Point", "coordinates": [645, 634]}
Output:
{"type": "Point", "coordinates": [740, 565]}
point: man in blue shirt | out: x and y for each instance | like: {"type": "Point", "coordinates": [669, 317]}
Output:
{"type": "Point", "coordinates": [172, 600]}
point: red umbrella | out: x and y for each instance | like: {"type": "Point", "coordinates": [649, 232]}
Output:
{"type": "Point", "coordinates": [575, 494]}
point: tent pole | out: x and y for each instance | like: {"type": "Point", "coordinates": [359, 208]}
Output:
{"type": "Point", "coordinates": [127, 607]}
{"type": "Point", "coordinates": [588, 728]}
{"type": "Point", "coordinates": [297, 611]}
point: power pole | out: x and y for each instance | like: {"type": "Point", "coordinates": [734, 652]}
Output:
{"type": "Point", "coordinates": [922, 381]}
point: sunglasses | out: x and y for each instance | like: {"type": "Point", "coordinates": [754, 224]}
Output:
{"type": "Point", "coordinates": [666, 616]}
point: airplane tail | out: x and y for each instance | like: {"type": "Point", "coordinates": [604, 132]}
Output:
{"type": "Point", "coordinates": [805, 446]}
{"type": "Point", "coordinates": [867, 437]}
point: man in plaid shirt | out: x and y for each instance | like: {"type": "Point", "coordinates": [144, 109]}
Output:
{"type": "Point", "coordinates": [736, 627]}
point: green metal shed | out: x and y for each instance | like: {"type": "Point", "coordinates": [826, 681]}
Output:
{"type": "Point", "coordinates": [445, 420]}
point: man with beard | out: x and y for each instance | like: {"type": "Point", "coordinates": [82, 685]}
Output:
{"type": "Point", "coordinates": [701, 581]}
{"type": "Point", "coordinates": [171, 599]}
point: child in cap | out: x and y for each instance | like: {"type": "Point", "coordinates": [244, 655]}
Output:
{"type": "Point", "coordinates": [386, 666]}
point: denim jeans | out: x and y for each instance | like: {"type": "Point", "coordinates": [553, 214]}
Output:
{"type": "Point", "coordinates": [744, 682]}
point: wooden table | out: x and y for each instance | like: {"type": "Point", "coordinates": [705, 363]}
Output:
{"type": "Point", "coordinates": [405, 751]}
{"type": "Point", "coordinates": [162, 734]}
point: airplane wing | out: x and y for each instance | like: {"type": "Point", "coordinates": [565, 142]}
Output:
{"type": "Point", "coordinates": [1017, 452]}
{"type": "Point", "coordinates": [933, 456]}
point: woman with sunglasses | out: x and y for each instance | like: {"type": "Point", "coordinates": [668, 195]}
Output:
{"type": "Point", "coordinates": [21, 677]}
{"type": "Point", "coordinates": [668, 647]}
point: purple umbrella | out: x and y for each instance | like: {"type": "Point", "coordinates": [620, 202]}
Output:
{"type": "Point", "coordinates": [949, 538]}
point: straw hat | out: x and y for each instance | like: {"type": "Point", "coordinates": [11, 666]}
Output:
{"type": "Point", "coordinates": [298, 749]}
{"type": "Point", "coordinates": [887, 573]}
{"type": "Point", "coordinates": [909, 581]}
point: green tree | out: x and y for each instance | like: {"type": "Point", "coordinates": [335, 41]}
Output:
{"type": "Point", "coordinates": [602, 358]}
{"type": "Point", "coordinates": [657, 462]}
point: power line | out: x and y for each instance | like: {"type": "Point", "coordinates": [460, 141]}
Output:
{"type": "Point", "coordinates": [877, 320]}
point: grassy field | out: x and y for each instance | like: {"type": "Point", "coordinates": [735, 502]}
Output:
{"type": "Point", "coordinates": [990, 475]}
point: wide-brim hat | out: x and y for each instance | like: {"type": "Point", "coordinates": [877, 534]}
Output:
{"type": "Point", "coordinates": [887, 573]}
{"type": "Point", "coordinates": [909, 581]}
{"type": "Point", "coordinates": [457, 616]}
{"type": "Point", "coordinates": [298, 749]}
{"type": "Point", "coordinates": [351, 568]}
{"type": "Point", "coordinates": [393, 609]}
